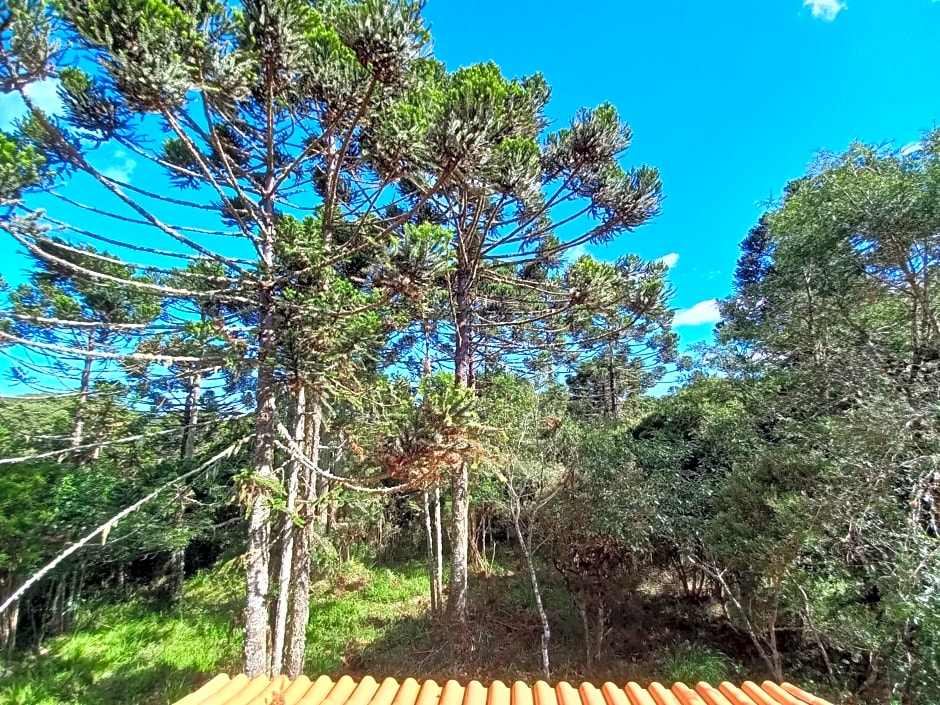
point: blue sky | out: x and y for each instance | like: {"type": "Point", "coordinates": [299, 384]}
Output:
{"type": "Point", "coordinates": [729, 99]}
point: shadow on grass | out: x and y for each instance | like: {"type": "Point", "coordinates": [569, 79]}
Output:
{"type": "Point", "coordinates": [79, 681]}
{"type": "Point", "coordinates": [501, 639]}
{"type": "Point", "coordinates": [133, 653]}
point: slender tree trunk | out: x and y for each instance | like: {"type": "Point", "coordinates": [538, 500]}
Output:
{"type": "Point", "coordinates": [586, 622]}
{"type": "Point", "coordinates": [287, 544]}
{"type": "Point", "coordinates": [300, 613]}
{"type": "Point", "coordinates": [54, 616]}
{"type": "Point", "coordinates": [78, 428]}
{"type": "Point", "coordinates": [78, 579]}
{"type": "Point", "coordinates": [460, 517]}
{"type": "Point", "coordinates": [438, 548]}
{"type": "Point", "coordinates": [526, 547]}
{"type": "Point", "coordinates": [612, 382]}
{"type": "Point", "coordinates": [324, 507]}
{"type": "Point", "coordinates": [601, 632]}
{"type": "Point", "coordinates": [191, 416]}
{"type": "Point", "coordinates": [433, 524]}
{"type": "Point", "coordinates": [9, 628]}
{"type": "Point", "coordinates": [429, 535]}
{"type": "Point", "coordinates": [9, 620]}
{"type": "Point", "coordinates": [257, 576]}
{"type": "Point", "coordinates": [177, 568]}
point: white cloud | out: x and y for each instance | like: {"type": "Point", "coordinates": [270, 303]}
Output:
{"type": "Point", "coordinates": [669, 260]}
{"type": "Point", "coordinates": [575, 253]}
{"type": "Point", "coordinates": [43, 93]}
{"type": "Point", "coordinates": [702, 312]}
{"type": "Point", "coordinates": [825, 9]}
{"type": "Point", "coordinates": [121, 168]}
{"type": "Point", "coordinates": [914, 147]}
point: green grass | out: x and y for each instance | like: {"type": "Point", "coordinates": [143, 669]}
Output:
{"type": "Point", "coordinates": [358, 607]}
{"type": "Point", "coordinates": [132, 653]}
{"type": "Point", "coordinates": [363, 620]}
{"type": "Point", "coordinates": [691, 663]}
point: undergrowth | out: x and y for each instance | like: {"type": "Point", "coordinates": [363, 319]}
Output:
{"type": "Point", "coordinates": [363, 620]}
{"type": "Point", "coordinates": [137, 653]}
{"type": "Point", "coordinates": [691, 663]}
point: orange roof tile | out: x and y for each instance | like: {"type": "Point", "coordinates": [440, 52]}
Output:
{"type": "Point", "coordinates": [241, 690]}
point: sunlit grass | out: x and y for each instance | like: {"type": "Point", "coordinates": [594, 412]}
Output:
{"type": "Point", "coordinates": [132, 653]}
{"type": "Point", "coordinates": [363, 619]}
{"type": "Point", "coordinates": [691, 663]}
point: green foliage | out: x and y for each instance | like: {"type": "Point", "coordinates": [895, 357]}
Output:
{"type": "Point", "coordinates": [21, 167]}
{"type": "Point", "coordinates": [693, 663]}
{"type": "Point", "coordinates": [134, 652]}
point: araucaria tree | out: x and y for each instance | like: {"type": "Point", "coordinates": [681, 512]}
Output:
{"type": "Point", "coordinates": [523, 199]}
{"type": "Point", "coordinates": [270, 110]}
{"type": "Point", "coordinates": [303, 173]}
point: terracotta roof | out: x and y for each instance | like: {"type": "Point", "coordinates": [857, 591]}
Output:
{"type": "Point", "coordinates": [241, 690]}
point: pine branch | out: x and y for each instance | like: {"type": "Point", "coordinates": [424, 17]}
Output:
{"type": "Point", "coordinates": [108, 444]}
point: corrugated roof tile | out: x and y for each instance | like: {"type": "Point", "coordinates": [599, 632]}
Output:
{"type": "Point", "coordinates": [711, 695]}
{"type": "Point", "coordinates": [241, 690]}
{"type": "Point", "coordinates": [662, 695]}
{"type": "Point", "coordinates": [638, 695]}
{"type": "Point", "coordinates": [452, 693]}
{"type": "Point", "coordinates": [521, 694]}
{"type": "Point", "coordinates": [544, 694]}
{"type": "Point", "coordinates": [802, 695]}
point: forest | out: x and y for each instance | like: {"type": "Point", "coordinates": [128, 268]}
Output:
{"type": "Point", "coordinates": [331, 387]}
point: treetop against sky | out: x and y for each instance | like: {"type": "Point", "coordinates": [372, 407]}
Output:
{"type": "Point", "coordinates": [727, 100]}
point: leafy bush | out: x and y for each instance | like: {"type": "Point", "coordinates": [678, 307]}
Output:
{"type": "Point", "coordinates": [691, 663]}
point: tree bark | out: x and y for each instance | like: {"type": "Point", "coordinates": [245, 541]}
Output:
{"type": "Point", "coordinates": [429, 536]}
{"type": "Point", "coordinates": [463, 368]}
{"type": "Point", "coordinates": [8, 622]}
{"type": "Point", "coordinates": [526, 547]}
{"type": "Point", "coordinates": [300, 613]}
{"type": "Point", "coordinates": [177, 568]}
{"type": "Point", "coordinates": [287, 544]}
{"type": "Point", "coordinates": [257, 577]}
{"type": "Point", "coordinates": [438, 548]}
{"type": "Point", "coordinates": [612, 382]}
{"type": "Point", "coordinates": [78, 428]}
{"type": "Point", "coordinates": [191, 416]}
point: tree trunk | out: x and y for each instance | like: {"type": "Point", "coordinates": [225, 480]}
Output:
{"type": "Point", "coordinates": [78, 428]}
{"type": "Point", "coordinates": [612, 382]}
{"type": "Point", "coordinates": [302, 548]}
{"type": "Point", "coordinates": [601, 633]}
{"type": "Point", "coordinates": [287, 544]}
{"type": "Point", "coordinates": [475, 535]}
{"type": "Point", "coordinates": [8, 621]}
{"type": "Point", "coordinates": [586, 623]}
{"type": "Point", "coordinates": [459, 543]}
{"type": "Point", "coordinates": [8, 637]}
{"type": "Point", "coordinates": [54, 614]}
{"type": "Point", "coordinates": [526, 547]}
{"type": "Point", "coordinates": [177, 568]}
{"type": "Point", "coordinates": [429, 536]}
{"type": "Point", "coordinates": [460, 517]}
{"type": "Point", "coordinates": [257, 578]}
{"type": "Point", "coordinates": [191, 416]}
{"type": "Point", "coordinates": [324, 507]}
{"type": "Point", "coordinates": [438, 548]}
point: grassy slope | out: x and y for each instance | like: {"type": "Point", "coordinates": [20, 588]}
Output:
{"type": "Point", "coordinates": [363, 620]}
{"type": "Point", "coordinates": [130, 653]}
